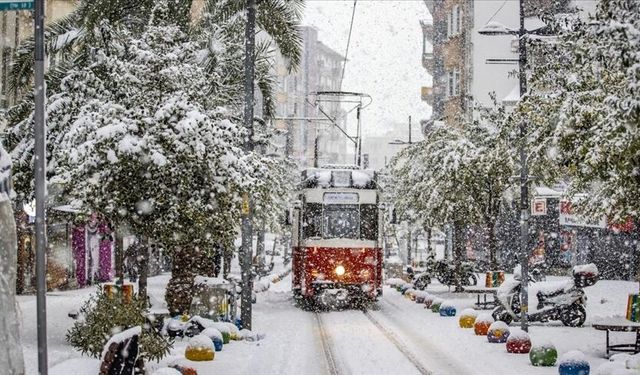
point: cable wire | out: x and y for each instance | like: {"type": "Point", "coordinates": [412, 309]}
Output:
{"type": "Point", "coordinates": [346, 53]}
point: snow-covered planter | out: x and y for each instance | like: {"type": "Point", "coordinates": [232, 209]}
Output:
{"type": "Point", "coordinates": [435, 305]}
{"type": "Point", "coordinates": [498, 332]}
{"type": "Point", "coordinates": [428, 300]}
{"type": "Point", "coordinates": [482, 324]}
{"type": "Point", "coordinates": [224, 329]}
{"type": "Point", "coordinates": [543, 355]}
{"type": "Point", "coordinates": [518, 342]}
{"type": "Point", "coordinates": [467, 318]}
{"type": "Point", "coordinates": [573, 362]}
{"type": "Point", "coordinates": [215, 336]}
{"type": "Point", "coordinates": [234, 332]}
{"type": "Point", "coordinates": [420, 296]}
{"type": "Point", "coordinates": [447, 309]}
{"type": "Point", "coordinates": [409, 293]}
{"type": "Point", "coordinates": [633, 362]}
{"type": "Point", "coordinates": [200, 348]}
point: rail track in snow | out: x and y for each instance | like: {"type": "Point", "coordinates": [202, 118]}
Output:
{"type": "Point", "coordinates": [333, 364]}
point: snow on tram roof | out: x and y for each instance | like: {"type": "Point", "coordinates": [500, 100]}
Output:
{"type": "Point", "coordinates": [339, 176]}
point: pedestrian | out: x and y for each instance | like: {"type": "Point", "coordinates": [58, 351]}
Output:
{"type": "Point", "coordinates": [11, 350]}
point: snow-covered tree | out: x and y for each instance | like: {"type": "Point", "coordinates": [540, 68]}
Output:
{"type": "Point", "coordinates": [584, 108]}
{"type": "Point", "coordinates": [455, 176]}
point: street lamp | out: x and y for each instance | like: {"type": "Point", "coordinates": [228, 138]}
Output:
{"type": "Point", "coordinates": [495, 28]}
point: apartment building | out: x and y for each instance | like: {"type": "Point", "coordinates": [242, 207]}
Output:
{"type": "Point", "coordinates": [311, 138]}
{"type": "Point", "coordinates": [468, 67]}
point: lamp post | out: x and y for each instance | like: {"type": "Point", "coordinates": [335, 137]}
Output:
{"type": "Point", "coordinates": [246, 250]}
{"type": "Point", "coordinates": [495, 28]}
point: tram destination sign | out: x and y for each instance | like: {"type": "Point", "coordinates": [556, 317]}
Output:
{"type": "Point", "coordinates": [340, 198]}
{"type": "Point", "coordinates": [16, 5]}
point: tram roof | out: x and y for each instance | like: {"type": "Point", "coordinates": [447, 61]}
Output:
{"type": "Point", "coordinates": [339, 177]}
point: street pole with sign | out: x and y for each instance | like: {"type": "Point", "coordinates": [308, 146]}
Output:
{"type": "Point", "coordinates": [499, 29]}
{"type": "Point", "coordinates": [246, 250]}
{"type": "Point", "coordinates": [40, 162]}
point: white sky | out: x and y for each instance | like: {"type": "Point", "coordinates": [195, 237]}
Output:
{"type": "Point", "coordinates": [384, 55]}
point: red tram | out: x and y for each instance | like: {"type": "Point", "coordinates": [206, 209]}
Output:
{"type": "Point", "coordinates": [337, 252]}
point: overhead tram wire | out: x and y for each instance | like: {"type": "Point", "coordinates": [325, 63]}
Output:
{"type": "Point", "coordinates": [346, 52]}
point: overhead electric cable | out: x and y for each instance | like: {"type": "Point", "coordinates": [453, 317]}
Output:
{"type": "Point", "coordinates": [346, 52]}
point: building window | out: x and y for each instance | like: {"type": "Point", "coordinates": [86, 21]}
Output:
{"type": "Point", "coordinates": [458, 18]}
{"type": "Point", "coordinates": [455, 27]}
{"type": "Point", "coordinates": [456, 82]}
{"type": "Point", "coordinates": [449, 25]}
{"type": "Point", "coordinates": [453, 83]}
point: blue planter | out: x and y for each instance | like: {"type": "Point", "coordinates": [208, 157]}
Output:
{"type": "Point", "coordinates": [217, 343]}
{"type": "Point", "coordinates": [447, 311]}
{"type": "Point", "coordinates": [574, 368]}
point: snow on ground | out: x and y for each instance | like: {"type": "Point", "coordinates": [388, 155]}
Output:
{"type": "Point", "coordinates": [293, 344]}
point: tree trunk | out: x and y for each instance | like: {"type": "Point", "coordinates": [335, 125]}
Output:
{"type": "Point", "coordinates": [226, 267]}
{"type": "Point", "coordinates": [458, 253]}
{"type": "Point", "coordinates": [491, 244]}
{"type": "Point", "coordinates": [188, 262]}
{"type": "Point", "coordinates": [260, 253]}
{"type": "Point", "coordinates": [11, 359]}
{"type": "Point", "coordinates": [143, 267]}
{"type": "Point", "coordinates": [119, 255]}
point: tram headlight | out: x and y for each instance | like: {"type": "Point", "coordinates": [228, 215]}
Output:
{"type": "Point", "coordinates": [340, 270]}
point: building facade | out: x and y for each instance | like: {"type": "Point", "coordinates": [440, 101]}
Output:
{"type": "Point", "coordinates": [468, 68]}
{"type": "Point", "coordinates": [311, 137]}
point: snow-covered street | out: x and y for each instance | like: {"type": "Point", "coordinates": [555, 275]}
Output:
{"type": "Point", "coordinates": [395, 335]}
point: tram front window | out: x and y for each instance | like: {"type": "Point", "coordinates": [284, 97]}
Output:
{"type": "Point", "coordinates": [341, 221]}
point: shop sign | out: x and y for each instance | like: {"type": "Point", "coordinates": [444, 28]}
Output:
{"type": "Point", "coordinates": [567, 217]}
{"type": "Point", "coordinates": [539, 207]}
{"type": "Point", "coordinates": [16, 5]}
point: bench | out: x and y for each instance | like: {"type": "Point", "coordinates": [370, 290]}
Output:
{"type": "Point", "coordinates": [480, 291]}
{"type": "Point", "coordinates": [619, 324]}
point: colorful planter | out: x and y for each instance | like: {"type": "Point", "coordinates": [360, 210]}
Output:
{"type": "Point", "coordinates": [447, 309]}
{"type": "Point", "coordinates": [428, 300]}
{"type": "Point", "coordinates": [573, 363]}
{"type": "Point", "coordinates": [633, 308]}
{"type": "Point", "coordinates": [543, 355]}
{"type": "Point", "coordinates": [435, 305]}
{"type": "Point", "coordinates": [482, 324]}
{"type": "Point", "coordinates": [200, 348]}
{"type": "Point", "coordinates": [518, 342]}
{"type": "Point", "coordinates": [215, 336]}
{"type": "Point", "coordinates": [498, 332]}
{"type": "Point", "coordinates": [467, 318]}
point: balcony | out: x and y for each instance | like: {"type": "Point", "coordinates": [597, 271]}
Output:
{"type": "Point", "coordinates": [427, 62]}
{"type": "Point", "coordinates": [426, 94]}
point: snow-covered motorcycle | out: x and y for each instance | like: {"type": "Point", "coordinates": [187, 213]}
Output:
{"type": "Point", "coordinates": [565, 302]}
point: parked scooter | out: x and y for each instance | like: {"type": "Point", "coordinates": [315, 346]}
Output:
{"type": "Point", "coordinates": [445, 272]}
{"type": "Point", "coordinates": [565, 303]}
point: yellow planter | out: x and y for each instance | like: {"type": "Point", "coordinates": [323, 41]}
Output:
{"type": "Point", "coordinates": [199, 354]}
{"type": "Point", "coordinates": [466, 321]}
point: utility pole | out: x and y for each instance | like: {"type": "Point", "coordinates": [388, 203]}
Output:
{"type": "Point", "coordinates": [524, 180]}
{"type": "Point", "coordinates": [246, 250]}
{"type": "Point", "coordinates": [40, 178]}
{"type": "Point", "coordinates": [409, 129]}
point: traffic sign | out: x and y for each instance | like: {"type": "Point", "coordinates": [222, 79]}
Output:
{"type": "Point", "coordinates": [16, 5]}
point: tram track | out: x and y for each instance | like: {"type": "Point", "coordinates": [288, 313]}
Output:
{"type": "Point", "coordinates": [402, 348]}
{"type": "Point", "coordinates": [326, 347]}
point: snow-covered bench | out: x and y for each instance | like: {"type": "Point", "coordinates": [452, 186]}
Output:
{"type": "Point", "coordinates": [484, 292]}
{"type": "Point", "coordinates": [619, 324]}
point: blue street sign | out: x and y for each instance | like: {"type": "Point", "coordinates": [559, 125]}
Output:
{"type": "Point", "coordinates": [16, 5]}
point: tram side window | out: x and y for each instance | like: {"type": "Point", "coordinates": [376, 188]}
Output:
{"type": "Point", "coordinates": [312, 223]}
{"type": "Point", "coordinates": [369, 225]}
